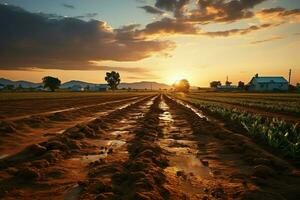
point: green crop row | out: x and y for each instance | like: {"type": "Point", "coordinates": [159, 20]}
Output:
{"type": "Point", "coordinates": [276, 133]}
{"type": "Point", "coordinates": [282, 107]}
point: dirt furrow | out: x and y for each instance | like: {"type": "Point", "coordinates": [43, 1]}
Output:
{"type": "Point", "coordinates": [44, 128]}
{"type": "Point", "coordinates": [238, 168]}
{"type": "Point", "coordinates": [53, 168]}
{"type": "Point", "coordinates": [186, 174]}
{"type": "Point", "coordinates": [138, 177]}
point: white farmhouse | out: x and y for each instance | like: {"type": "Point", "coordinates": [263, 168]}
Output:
{"type": "Point", "coordinates": [268, 84]}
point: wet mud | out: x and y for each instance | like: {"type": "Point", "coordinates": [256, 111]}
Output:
{"type": "Point", "coordinates": [153, 148]}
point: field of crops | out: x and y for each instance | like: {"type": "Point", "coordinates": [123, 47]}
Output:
{"type": "Point", "coordinates": [148, 145]}
{"type": "Point", "coordinates": [280, 103]}
{"type": "Point", "coordinates": [277, 133]}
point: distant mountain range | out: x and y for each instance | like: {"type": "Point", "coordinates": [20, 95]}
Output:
{"type": "Point", "coordinates": [75, 83]}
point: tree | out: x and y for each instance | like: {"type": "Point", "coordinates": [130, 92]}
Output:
{"type": "Point", "coordinates": [182, 85]}
{"type": "Point", "coordinates": [215, 84]}
{"type": "Point", "coordinates": [228, 83]}
{"type": "Point", "coordinates": [113, 79]}
{"type": "Point", "coordinates": [241, 85]}
{"type": "Point", "coordinates": [51, 83]}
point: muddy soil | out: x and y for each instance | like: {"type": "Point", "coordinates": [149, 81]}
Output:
{"type": "Point", "coordinates": [17, 134]}
{"type": "Point", "coordinates": [18, 108]}
{"type": "Point", "coordinates": [153, 148]}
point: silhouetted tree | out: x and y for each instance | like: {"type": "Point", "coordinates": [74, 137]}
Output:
{"type": "Point", "coordinates": [241, 85]}
{"type": "Point", "coordinates": [182, 85]}
{"type": "Point", "coordinates": [51, 83]}
{"type": "Point", "coordinates": [228, 83]}
{"type": "Point", "coordinates": [113, 79]}
{"type": "Point", "coordinates": [215, 84]}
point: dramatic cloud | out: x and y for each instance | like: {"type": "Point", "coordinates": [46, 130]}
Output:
{"type": "Point", "coordinates": [152, 10]}
{"type": "Point", "coordinates": [169, 26]}
{"type": "Point", "coordinates": [31, 40]}
{"type": "Point", "coordinates": [267, 40]}
{"type": "Point", "coordinates": [280, 14]}
{"type": "Point", "coordinates": [176, 6]}
{"type": "Point", "coordinates": [68, 6]}
{"type": "Point", "coordinates": [209, 11]}
{"type": "Point", "coordinates": [232, 32]}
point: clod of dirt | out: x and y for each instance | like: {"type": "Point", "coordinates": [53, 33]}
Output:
{"type": "Point", "coordinates": [77, 135]}
{"type": "Point", "coordinates": [58, 117]}
{"type": "Point", "coordinates": [204, 162]}
{"type": "Point", "coordinates": [55, 173]}
{"type": "Point", "coordinates": [182, 174]}
{"type": "Point", "coordinates": [105, 195]}
{"type": "Point", "coordinates": [40, 163]}
{"type": "Point", "coordinates": [52, 156]}
{"type": "Point", "coordinates": [35, 121]}
{"type": "Point", "coordinates": [74, 144]}
{"type": "Point", "coordinates": [100, 186]}
{"type": "Point", "coordinates": [7, 127]}
{"type": "Point", "coordinates": [56, 145]}
{"type": "Point", "coordinates": [218, 193]}
{"type": "Point", "coordinates": [27, 174]}
{"type": "Point", "coordinates": [88, 131]}
{"type": "Point", "coordinates": [35, 149]}
{"type": "Point", "coordinates": [110, 151]}
{"type": "Point", "coordinates": [261, 161]}
{"type": "Point", "coordinates": [97, 124]}
{"type": "Point", "coordinates": [263, 171]}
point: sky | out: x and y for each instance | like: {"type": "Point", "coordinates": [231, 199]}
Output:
{"type": "Point", "coordinates": [149, 40]}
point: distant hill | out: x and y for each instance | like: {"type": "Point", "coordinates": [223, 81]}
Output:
{"type": "Point", "coordinates": [24, 84]}
{"type": "Point", "coordinates": [82, 84]}
{"type": "Point", "coordinates": [136, 85]}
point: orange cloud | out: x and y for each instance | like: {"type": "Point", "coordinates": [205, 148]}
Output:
{"type": "Point", "coordinates": [32, 40]}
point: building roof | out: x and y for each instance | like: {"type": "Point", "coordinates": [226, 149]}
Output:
{"type": "Point", "coordinates": [269, 79]}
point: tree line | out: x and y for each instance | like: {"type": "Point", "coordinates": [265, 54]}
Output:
{"type": "Point", "coordinates": [112, 78]}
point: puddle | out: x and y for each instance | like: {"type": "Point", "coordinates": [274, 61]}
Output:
{"type": "Point", "coordinates": [182, 152]}
{"type": "Point", "coordinates": [119, 132]}
{"type": "Point", "coordinates": [196, 111]}
{"type": "Point", "coordinates": [190, 164]}
{"type": "Point", "coordinates": [165, 116]}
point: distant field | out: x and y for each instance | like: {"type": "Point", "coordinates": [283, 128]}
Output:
{"type": "Point", "coordinates": [279, 103]}
{"type": "Point", "coordinates": [4, 96]}
{"type": "Point", "coordinates": [16, 104]}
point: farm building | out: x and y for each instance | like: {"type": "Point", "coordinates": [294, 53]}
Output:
{"type": "Point", "coordinates": [268, 83]}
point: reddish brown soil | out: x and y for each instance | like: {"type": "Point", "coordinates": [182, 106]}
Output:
{"type": "Point", "coordinates": [154, 148]}
{"type": "Point", "coordinates": [19, 108]}
{"type": "Point", "coordinates": [38, 128]}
